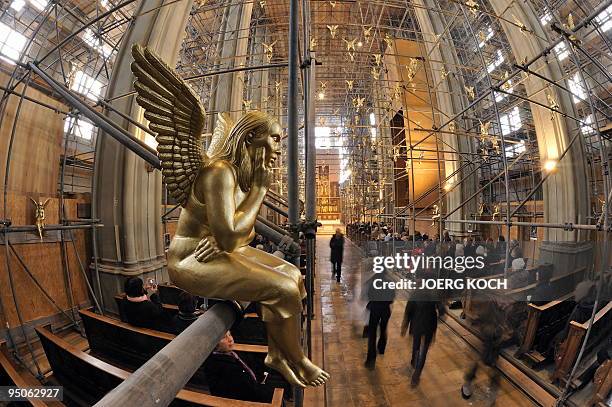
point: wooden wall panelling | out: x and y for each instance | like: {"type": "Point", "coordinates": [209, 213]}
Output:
{"type": "Point", "coordinates": [37, 145]}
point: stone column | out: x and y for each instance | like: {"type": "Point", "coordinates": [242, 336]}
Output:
{"type": "Point", "coordinates": [128, 195]}
{"type": "Point", "coordinates": [228, 88]}
{"type": "Point", "coordinates": [566, 192]}
{"type": "Point", "coordinates": [450, 98]}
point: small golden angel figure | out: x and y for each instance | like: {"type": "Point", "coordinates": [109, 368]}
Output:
{"type": "Point", "coordinates": [470, 92]}
{"type": "Point", "coordinates": [332, 30]}
{"type": "Point", "coordinates": [496, 211]}
{"type": "Point", "coordinates": [39, 215]}
{"type": "Point", "coordinates": [436, 215]}
{"type": "Point", "coordinates": [350, 45]}
{"type": "Point", "coordinates": [269, 50]}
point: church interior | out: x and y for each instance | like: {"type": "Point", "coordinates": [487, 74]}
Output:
{"type": "Point", "coordinates": [248, 203]}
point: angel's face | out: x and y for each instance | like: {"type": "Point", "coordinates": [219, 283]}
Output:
{"type": "Point", "coordinates": [270, 141]}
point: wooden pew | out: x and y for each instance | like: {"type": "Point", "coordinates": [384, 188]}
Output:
{"type": "Point", "coordinates": [603, 386]}
{"type": "Point", "coordinates": [543, 323]}
{"type": "Point", "coordinates": [87, 379]}
{"type": "Point", "coordinates": [251, 330]}
{"type": "Point", "coordinates": [13, 375]}
{"type": "Point", "coordinates": [129, 346]}
{"type": "Point", "coordinates": [568, 351]}
{"type": "Point", "coordinates": [562, 284]}
{"type": "Point", "coordinates": [170, 309]}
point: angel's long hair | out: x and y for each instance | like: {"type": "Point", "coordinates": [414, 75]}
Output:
{"type": "Point", "coordinates": [234, 147]}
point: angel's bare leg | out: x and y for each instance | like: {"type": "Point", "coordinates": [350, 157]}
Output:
{"type": "Point", "coordinates": [244, 278]}
{"type": "Point", "coordinates": [277, 361]}
{"type": "Point", "coordinates": [285, 334]}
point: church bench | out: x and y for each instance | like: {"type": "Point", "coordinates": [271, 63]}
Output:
{"type": "Point", "coordinates": [12, 374]}
{"type": "Point", "coordinates": [562, 284]}
{"type": "Point", "coordinates": [251, 330]}
{"type": "Point", "coordinates": [130, 346]}
{"type": "Point", "coordinates": [603, 388]}
{"type": "Point", "coordinates": [568, 351]}
{"type": "Point", "coordinates": [169, 294]}
{"type": "Point", "coordinates": [170, 309]}
{"type": "Point", "coordinates": [86, 379]}
{"type": "Point", "coordinates": [543, 323]}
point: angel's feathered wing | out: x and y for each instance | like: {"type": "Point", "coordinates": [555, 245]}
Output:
{"type": "Point", "coordinates": [222, 128]}
{"type": "Point", "coordinates": [175, 115]}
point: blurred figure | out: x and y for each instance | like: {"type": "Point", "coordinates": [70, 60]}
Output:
{"type": "Point", "coordinates": [337, 250]}
{"type": "Point", "coordinates": [491, 321]}
{"type": "Point", "coordinates": [379, 304]}
{"type": "Point", "coordinates": [421, 321]}
{"type": "Point", "coordinates": [519, 277]}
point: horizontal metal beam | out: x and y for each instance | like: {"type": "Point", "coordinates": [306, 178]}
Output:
{"type": "Point", "coordinates": [33, 228]}
{"type": "Point", "coordinates": [275, 208]}
{"type": "Point", "coordinates": [138, 147]}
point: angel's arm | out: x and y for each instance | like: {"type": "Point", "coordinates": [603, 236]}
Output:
{"type": "Point", "coordinates": [229, 225]}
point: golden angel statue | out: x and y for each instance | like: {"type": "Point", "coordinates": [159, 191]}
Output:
{"type": "Point", "coordinates": [39, 215]}
{"type": "Point", "coordinates": [435, 216]}
{"type": "Point", "coordinates": [221, 192]}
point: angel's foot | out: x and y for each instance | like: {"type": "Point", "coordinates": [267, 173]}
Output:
{"type": "Point", "coordinates": [280, 365]}
{"type": "Point", "coordinates": [309, 373]}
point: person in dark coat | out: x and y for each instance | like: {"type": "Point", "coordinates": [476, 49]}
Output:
{"type": "Point", "coordinates": [379, 306]}
{"type": "Point", "coordinates": [141, 309]}
{"type": "Point", "coordinates": [337, 250]}
{"type": "Point", "coordinates": [490, 322]}
{"type": "Point", "coordinates": [230, 377]}
{"type": "Point", "coordinates": [421, 321]}
{"type": "Point", "coordinates": [187, 314]}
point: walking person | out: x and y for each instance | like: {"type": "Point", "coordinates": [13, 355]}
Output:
{"type": "Point", "coordinates": [491, 328]}
{"type": "Point", "coordinates": [337, 250]}
{"type": "Point", "coordinates": [421, 321]}
{"type": "Point", "coordinates": [379, 305]}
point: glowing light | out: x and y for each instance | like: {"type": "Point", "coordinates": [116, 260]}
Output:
{"type": "Point", "coordinates": [360, 44]}
{"type": "Point", "coordinates": [448, 186]}
{"type": "Point", "coordinates": [550, 165]}
{"type": "Point", "coordinates": [321, 95]}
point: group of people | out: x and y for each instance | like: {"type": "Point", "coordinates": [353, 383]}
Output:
{"type": "Point", "coordinates": [423, 309]}
{"type": "Point", "coordinates": [228, 375]}
{"type": "Point", "coordinates": [143, 308]}
{"type": "Point", "coordinates": [381, 232]}
{"type": "Point", "coordinates": [420, 322]}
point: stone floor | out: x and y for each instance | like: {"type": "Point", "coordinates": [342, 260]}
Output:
{"type": "Point", "coordinates": [352, 384]}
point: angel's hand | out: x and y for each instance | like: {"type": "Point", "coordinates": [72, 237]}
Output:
{"type": "Point", "coordinates": [262, 176]}
{"type": "Point", "coordinates": [206, 250]}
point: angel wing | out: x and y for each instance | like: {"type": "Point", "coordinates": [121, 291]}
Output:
{"type": "Point", "coordinates": [175, 115]}
{"type": "Point", "coordinates": [222, 129]}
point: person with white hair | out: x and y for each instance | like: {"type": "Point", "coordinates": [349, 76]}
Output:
{"type": "Point", "coordinates": [459, 250]}
{"type": "Point", "coordinates": [519, 276]}
{"type": "Point", "coordinates": [481, 252]}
